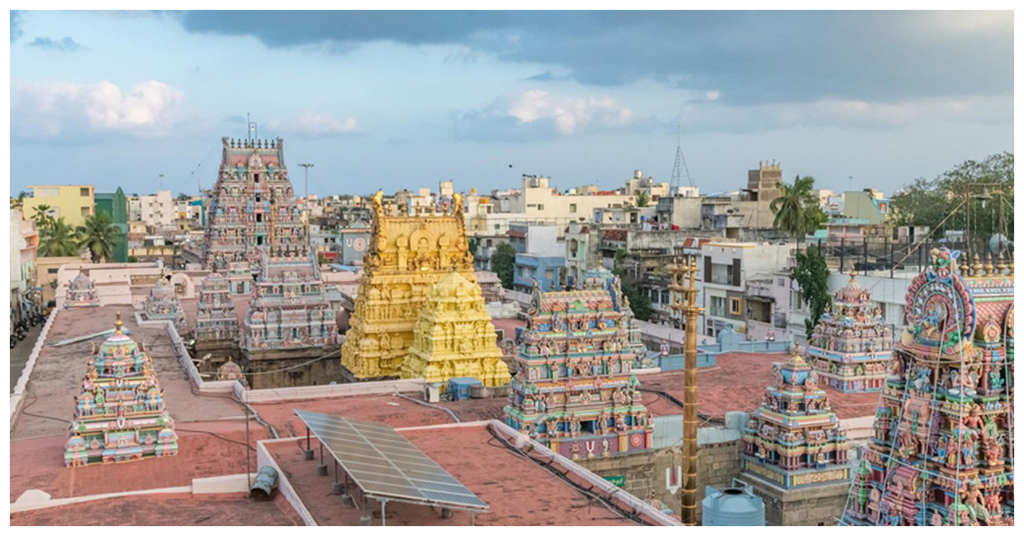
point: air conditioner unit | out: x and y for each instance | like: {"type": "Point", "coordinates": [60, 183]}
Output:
{"type": "Point", "coordinates": [432, 393]}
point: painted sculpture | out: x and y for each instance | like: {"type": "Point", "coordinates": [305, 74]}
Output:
{"type": "Point", "coordinates": [409, 253]}
{"type": "Point", "coordinates": [289, 309]}
{"type": "Point", "coordinates": [851, 347]}
{"type": "Point", "coordinates": [216, 319]}
{"type": "Point", "coordinates": [454, 337]}
{"type": "Point", "coordinates": [575, 389]}
{"type": "Point", "coordinates": [120, 414]}
{"type": "Point", "coordinates": [81, 292]}
{"type": "Point", "coordinates": [254, 208]}
{"type": "Point", "coordinates": [162, 304]}
{"type": "Point", "coordinates": [794, 440]}
{"type": "Point", "coordinates": [231, 371]}
{"type": "Point", "coordinates": [941, 453]}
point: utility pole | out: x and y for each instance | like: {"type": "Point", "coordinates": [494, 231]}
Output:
{"type": "Point", "coordinates": [306, 167]}
{"type": "Point", "coordinates": [161, 181]}
{"type": "Point", "coordinates": [685, 304]}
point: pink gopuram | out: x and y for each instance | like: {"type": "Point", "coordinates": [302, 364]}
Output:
{"type": "Point", "coordinates": [942, 450]}
{"type": "Point", "coordinates": [851, 345]}
{"type": "Point", "coordinates": [81, 292]}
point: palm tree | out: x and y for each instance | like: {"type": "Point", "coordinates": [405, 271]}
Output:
{"type": "Point", "coordinates": [99, 235]}
{"type": "Point", "coordinates": [796, 209]}
{"type": "Point", "coordinates": [20, 200]}
{"type": "Point", "coordinates": [642, 198]}
{"type": "Point", "coordinates": [58, 239]}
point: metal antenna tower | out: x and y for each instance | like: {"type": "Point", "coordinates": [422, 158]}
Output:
{"type": "Point", "coordinates": [680, 165]}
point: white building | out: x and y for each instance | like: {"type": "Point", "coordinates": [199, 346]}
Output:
{"type": "Point", "coordinates": [735, 286]}
{"type": "Point", "coordinates": [157, 210]}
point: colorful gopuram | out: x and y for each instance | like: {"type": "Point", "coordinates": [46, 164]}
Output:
{"type": "Point", "coordinates": [575, 390]}
{"type": "Point", "coordinates": [794, 439]}
{"type": "Point", "coordinates": [162, 304]}
{"type": "Point", "coordinates": [81, 292]}
{"type": "Point", "coordinates": [942, 450]}
{"type": "Point", "coordinates": [851, 348]}
{"type": "Point", "coordinates": [289, 310]}
{"type": "Point", "coordinates": [216, 319]}
{"type": "Point", "coordinates": [454, 337]}
{"type": "Point", "coordinates": [120, 414]}
{"type": "Point", "coordinates": [254, 208]}
{"type": "Point", "coordinates": [410, 251]}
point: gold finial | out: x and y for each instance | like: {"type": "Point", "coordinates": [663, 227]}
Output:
{"type": "Point", "coordinates": [118, 324]}
{"type": "Point", "coordinates": [990, 269]}
{"type": "Point", "coordinates": [1001, 263]}
{"type": "Point", "coordinates": [977, 266]}
{"type": "Point", "coordinates": [853, 276]}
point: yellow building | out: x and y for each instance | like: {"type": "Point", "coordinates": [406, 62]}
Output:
{"type": "Point", "coordinates": [454, 337]}
{"type": "Point", "coordinates": [409, 253]}
{"type": "Point", "coordinates": [74, 203]}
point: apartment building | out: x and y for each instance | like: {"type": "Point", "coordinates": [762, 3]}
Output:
{"type": "Point", "coordinates": [74, 203]}
{"type": "Point", "coordinates": [735, 286]}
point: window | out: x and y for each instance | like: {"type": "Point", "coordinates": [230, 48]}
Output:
{"type": "Point", "coordinates": [549, 274]}
{"type": "Point", "coordinates": [256, 178]}
{"type": "Point", "coordinates": [52, 270]}
{"type": "Point", "coordinates": [86, 212]}
{"type": "Point", "coordinates": [540, 206]}
{"type": "Point", "coordinates": [572, 207]}
{"type": "Point", "coordinates": [84, 192]}
{"type": "Point", "coordinates": [735, 305]}
{"type": "Point", "coordinates": [259, 217]}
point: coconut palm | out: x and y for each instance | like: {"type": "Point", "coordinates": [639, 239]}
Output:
{"type": "Point", "coordinates": [58, 239]}
{"type": "Point", "coordinates": [642, 198]}
{"type": "Point", "coordinates": [99, 235]}
{"type": "Point", "coordinates": [42, 216]}
{"type": "Point", "coordinates": [796, 209]}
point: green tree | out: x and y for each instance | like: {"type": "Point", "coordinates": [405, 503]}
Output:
{"type": "Point", "coordinates": [503, 262]}
{"type": "Point", "coordinates": [99, 235]}
{"type": "Point", "coordinates": [42, 217]}
{"type": "Point", "coordinates": [58, 239]}
{"type": "Point", "coordinates": [811, 273]}
{"type": "Point", "coordinates": [474, 243]}
{"type": "Point", "coordinates": [796, 209]}
{"type": "Point", "coordinates": [928, 203]}
{"type": "Point", "coordinates": [638, 300]}
{"type": "Point", "coordinates": [20, 200]}
{"type": "Point", "coordinates": [642, 198]}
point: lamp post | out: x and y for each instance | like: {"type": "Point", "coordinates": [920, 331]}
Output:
{"type": "Point", "coordinates": [685, 304]}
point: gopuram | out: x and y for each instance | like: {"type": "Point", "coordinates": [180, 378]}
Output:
{"type": "Point", "coordinates": [942, 451]}
{"type": "Point", "coordinates": [81, 292]}
{"type": "Point", "coordinates": [289, 318]}
{"type": "Point", "coordinates": [216, 321]}
{"type": "Point", "coordinates": [851, 349]}
{"type": "Point", "coordinates": [575, 390]}
{"type": "Point", "coordinates": [162, 304]}
{"type": "Point", "coordinates": [254, 208]}
{"type": "Point", "coordinates": [454, 337]}
{"type": "Point", "coordinates": [793, 442]}
{"type": "Point", "coordinates": [120, 414]}
{"type": "Point", "coordinates": [410, 250]}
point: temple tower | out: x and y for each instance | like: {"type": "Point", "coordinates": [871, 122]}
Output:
{"type": "Point", "coordinates": [942, 450]}
{"type": "Point", "coordinates": [454, 337]}
{"type": "Point", "coordinates": [254, 208]}
{"type": "Point", "coordinates": [851, 348]}
{"type": "Point", "coordinates": [162, 304]}
{"type": "Point", "coordinates": [120, 414]}
{"type": "Point", "coordinates": [410, 251]}
{"type": "Point", "coordinates": [81, 292]}
{"type": "Point", "coordinates": [216, 320]}
{"type": "Point", "coordinates": [575, 390]}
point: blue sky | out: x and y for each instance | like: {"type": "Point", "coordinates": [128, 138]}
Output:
{"type": "Point", "coordinates": [405, 99]}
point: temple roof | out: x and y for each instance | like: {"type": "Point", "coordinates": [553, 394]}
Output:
{"type": "Point", "coordinates": [852, 293]}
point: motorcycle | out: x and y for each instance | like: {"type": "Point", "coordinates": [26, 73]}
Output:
{"type": "Point", "coordinates": [14, 341]}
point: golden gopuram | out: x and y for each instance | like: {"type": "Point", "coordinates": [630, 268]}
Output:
{"type": "Point", "coordinates": [410, 251]}
{"type": "Point", "coordinates": [454, 337]}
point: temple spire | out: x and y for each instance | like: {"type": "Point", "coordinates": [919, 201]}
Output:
{"type": "Point", "coordinates": [118, 324]}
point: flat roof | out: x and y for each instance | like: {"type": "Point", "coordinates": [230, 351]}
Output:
{"type": "Point", "coordinates": [163, 510]}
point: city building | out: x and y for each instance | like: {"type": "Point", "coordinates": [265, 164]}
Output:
{"type": "Point", "coordinates": [157, 210]}
{"type": "Point", "coordinates": [732, 287]}
{"type": "Point", "coordinates": [116, 206]}
{"type": "Point", "coordinates": [74, 203]}
{"type": "Point", "coordinates": [868, 204]}
{"type": "Point", "coordinates": [24, 243]}
{"type": "Point", "coordinates": [540, 257]}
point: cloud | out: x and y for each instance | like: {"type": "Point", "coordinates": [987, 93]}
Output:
{"type": "Point", "coordinates": [750, 57]}
{"type": "Point", "coordinates": [534, 113]}
{"type": "Point", "coordinates": [46, 110]}
{"type": "Point", "coordinates": [16, 20]}
{"type": "Point", "coordinates": [64, 45]}
{"type": "Point", "coordinates": [315, 125]}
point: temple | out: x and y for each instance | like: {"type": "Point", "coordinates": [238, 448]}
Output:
{"type": "Point", "coordinates": [120, 414]}
{"type": "Point", "coordinates": [81, 292]}
{"type": "Point", "coordinates": [851, 349]}
{"type": "Point", "coordinates": [216, 323]}
{"type": "Point", "coordinates": [575, 390]}
{"type": "Point", "coordinates": [162, 304]}
{"type": "Point", "coordinates": [289, 316]}
{"type": "Point", "coordinates": [254, 208]}
{"type": "Point", "coordinates": [794, 438]}
{"type": "Point", "coordinates": [944, 422]}
{"type": "Point", "coordinates": [454, 337]}
{"type": "Point", "coordinates": [409, 253]}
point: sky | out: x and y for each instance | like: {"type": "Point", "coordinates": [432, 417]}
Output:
{"type": "Point", "coordinates": [398, 100]}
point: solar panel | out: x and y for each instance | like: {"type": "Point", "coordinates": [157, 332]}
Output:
{"type": "Point", "coordinates": [384, 464]}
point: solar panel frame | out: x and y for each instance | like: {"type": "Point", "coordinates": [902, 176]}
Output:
{"type": "Point", "coordinates": [387, 466]}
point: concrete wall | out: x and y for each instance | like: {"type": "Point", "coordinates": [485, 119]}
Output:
{"type": "Point", "coordinates": [814, 506]}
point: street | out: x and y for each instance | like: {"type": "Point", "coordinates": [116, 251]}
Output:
{"type": "Point", "coordinates": [19, 354]}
